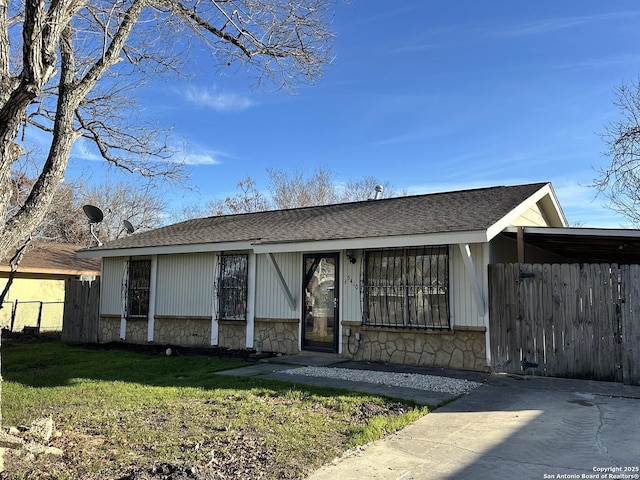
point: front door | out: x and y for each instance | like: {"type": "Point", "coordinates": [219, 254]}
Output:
{"type": "Point", "coordinates": [320, 305]}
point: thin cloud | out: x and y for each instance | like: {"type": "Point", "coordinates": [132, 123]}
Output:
{"type": "Point", "coordinates": [83, 150]}
{"type": "Point", "coordinates": [555, 24]}
{"type": "Point", "coordinates": [219, 101]}
{"type": "Point", "coordinates": [204, 157]}
{"type": "Point", "coordinates": [600, 62]}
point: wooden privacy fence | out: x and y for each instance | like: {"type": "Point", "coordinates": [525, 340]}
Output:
{"type": "Point", "coordinates": [81, 306]}
{"type": "Point", "coordinates": [566, 320]}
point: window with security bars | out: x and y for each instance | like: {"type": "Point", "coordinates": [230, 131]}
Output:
{"type": "Point", "coordinates": [138, 287]}
{"type": "Point", "coordinates": [407, 287]}
{"type": "Point", "coordinates": [232, 287]}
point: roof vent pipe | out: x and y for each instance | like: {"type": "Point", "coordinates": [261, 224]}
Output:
{"type": "Point", "coordinates": [379, 189]}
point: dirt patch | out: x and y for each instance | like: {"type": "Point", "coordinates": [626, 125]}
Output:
{"type": "Point", "coordinates": [226, 457]}
{"type": "Point", "coordinates": [229, 457]}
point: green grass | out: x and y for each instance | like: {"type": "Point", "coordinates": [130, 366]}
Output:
{"type": "Point", "coordinates": [119, 410]}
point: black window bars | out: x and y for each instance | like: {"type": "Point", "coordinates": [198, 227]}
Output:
{"type": "Point", "coordinates": [407, 287]}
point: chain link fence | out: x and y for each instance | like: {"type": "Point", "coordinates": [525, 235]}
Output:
{"type": "Point", "coordinates": [32, 316]}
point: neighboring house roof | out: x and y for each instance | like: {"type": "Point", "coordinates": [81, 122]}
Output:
{"type": "Point", "coordinates": [474, 212]}
{"type": "Point", "coordinates": [54, 258]}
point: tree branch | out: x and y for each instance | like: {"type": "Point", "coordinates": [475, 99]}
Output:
{"type": "Point", "coordinates": [13, 264]}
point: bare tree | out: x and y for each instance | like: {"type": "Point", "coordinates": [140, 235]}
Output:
{"type": "Point", "coordinates": [291, 190]}
{"type": "Point", "coordinates": [65, 222]}
{"type": "Point", "coordinates": [57, 223]}
{"type": "Point", "coordinates": [69, 68]}
{"type": "Point", "coordinates": [140, 205]}
{"type": "Point", "coordinates": [365, 189]}
{"type": "Point", "coordinates": [248, 200]}
{"type": "Point", "coordinates": [620, 181]}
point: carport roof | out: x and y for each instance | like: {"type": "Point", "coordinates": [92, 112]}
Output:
{"type": "Point", "coordinates": [585, 245]}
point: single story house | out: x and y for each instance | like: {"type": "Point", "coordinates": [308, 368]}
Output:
{"type": "Point", "coordinates": [400, 280]}
{"type": "Point", "coordinates": [36, 296]}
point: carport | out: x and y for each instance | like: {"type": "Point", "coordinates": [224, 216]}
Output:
{"type": "Point", "coordinates": [579, 245]}
{"type": "Point", "coordinates": [570, 307]}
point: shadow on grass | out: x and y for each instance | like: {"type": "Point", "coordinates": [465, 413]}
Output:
{"type": "Point", "coordinates": [53, 364]}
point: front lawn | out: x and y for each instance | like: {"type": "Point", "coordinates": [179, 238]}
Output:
{"type": "Point", "coordinates": [129, 415]}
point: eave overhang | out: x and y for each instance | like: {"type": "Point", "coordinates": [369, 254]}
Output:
{"type": "Point", "coordinates": [166, 249]}
{"type": "Point", "coordinates": [261, 247]}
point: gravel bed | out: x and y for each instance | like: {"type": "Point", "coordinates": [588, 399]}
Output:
{"type": "Point", "coordinates": [418, 381]}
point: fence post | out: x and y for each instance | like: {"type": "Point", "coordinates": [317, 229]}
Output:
{"type": "Point", "coordinates": [631, 324]}
{"type": "Point", "coordinates": [39, 316]}
{"type": "Point", "coordinates": [13, 314]}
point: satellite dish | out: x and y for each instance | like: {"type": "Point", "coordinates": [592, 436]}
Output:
{"type": "Point", "coordinates": [94, 214]}
{"type": "Point", "coordinates": [128, 227]}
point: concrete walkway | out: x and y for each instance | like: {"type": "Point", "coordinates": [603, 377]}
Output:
{"type": "Point", "coordinates": [510, 428]}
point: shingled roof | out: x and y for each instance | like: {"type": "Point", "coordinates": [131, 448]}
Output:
{"type": "Point", "coordinates": [459, 211]}
{"type": "Point", "coordinates": [54, 258]}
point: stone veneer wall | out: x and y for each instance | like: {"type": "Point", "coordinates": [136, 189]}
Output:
{"type": "Point", "coordinates": [232, 335]}
{"type": "Point", "coordinates": [109, 329]}
{"type": "Point", "coordinates": [192, 331]}
{"type": "Point", "coordinates": [462, 348]}
{"type": "Point", "coordinates": [186, 331]}
{"type": "Point", "coordinates": [277, 335]}
{"type": "Point", "coordinates": [136, 330]}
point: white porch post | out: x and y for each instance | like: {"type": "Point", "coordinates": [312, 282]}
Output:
{"type": "Point", "coordinates": [487, 338]}
{"type": "Point", "coordinates": [472, 277]}
{"type": "Point", "coordinates": [124, 297]}
{"type": "Point", "coordinates": [214, 304]}
{"type": "Point", "coordinates": [151, 315]}
{"type": "Point", "coordinates": [477, 289]}
{"type": "Point", "coordinates": [251, 295]}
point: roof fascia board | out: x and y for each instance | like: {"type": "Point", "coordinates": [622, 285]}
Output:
{"type": "Point", "coordinates": [166, 249]}
{"type": "Point", "coordinates": [545, 192]}
{"type": "Point", "coordinates": [51, 271]}
{"type": "Point", "coordinates": [382, 242]}
{"type": "Point", "coordinates": [443, 238]}
{"type": "Point", "coordinates": [579, 232]}
{"type": "Point", "coordinates": [551, 205]}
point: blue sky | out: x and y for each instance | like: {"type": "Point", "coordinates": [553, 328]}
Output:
{"type": "Point", "coordinates": [427, 95]}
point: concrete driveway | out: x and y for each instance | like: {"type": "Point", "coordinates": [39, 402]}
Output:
{"type": "Point", "coordinates": [512, 428]}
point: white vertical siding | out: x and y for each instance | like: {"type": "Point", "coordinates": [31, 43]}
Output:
{"type": "Point", "coordinates": [533, 217]}
{"type": "Point", "coordinates": [351, 287]}
{"type": "Point", "coordinates": [113, 270]}
{"type": "Point", "coordinates": [185, 284]}
{"type": "Point", "coordinates": [271, 300]}
{"type": "Point", "coordinates": [464, 309]}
